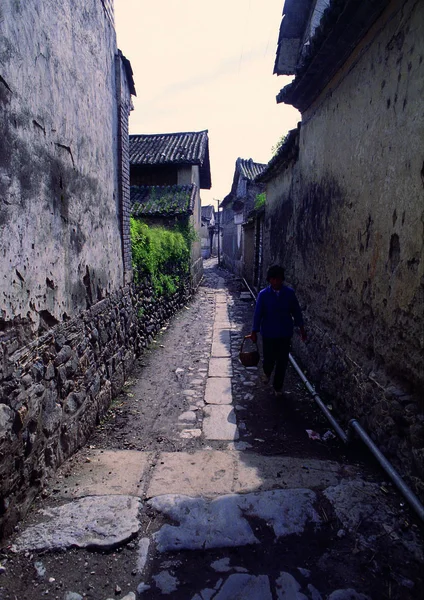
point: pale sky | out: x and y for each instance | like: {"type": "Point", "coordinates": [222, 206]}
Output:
{"type": "Point", "coordinates": [207, 65]}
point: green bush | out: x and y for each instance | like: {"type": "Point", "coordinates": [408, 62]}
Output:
{"type": "Point", "coordinates": [161, 254]}
{"type": "Point", "coordinates": [260, 200]}
{"type": "Point", "coordinates": [280, 143]}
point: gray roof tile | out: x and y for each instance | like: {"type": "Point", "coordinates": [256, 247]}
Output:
{"type": "Point", "coordinates": [168, 148]}
{"type": "Point", "coordinates": [183, 148]}
{"type": "Point", "coordinates": [248, 168]}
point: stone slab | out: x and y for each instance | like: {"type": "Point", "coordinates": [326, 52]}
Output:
{"type": "Point", "coordinates": [246, 587]}
{"type": "Point", "coordinates": [211, 472]}
{"type": "Point", "coordinates": [218, 390]}
{"type": "Point", "coordinates": [222, 523]}
{"type": "Point", "coordinates": [257, 472]}
{"type": "Point", "coordinates": [201, 524]}
{"type": "Point", "coordinates": [109, 472]}
{"type": "Point", "coordinates": [221, 298]}
{"type": "Point", "coordinates": [221, 349]}
{"type": "Point", "coordinates": [221, 335]}
{"type": "Point", "coordinates": [221, 323]}
{"type": "Point", "coordinates": [220, 367]}
{"type": "Point", "coordinates": [205, 472]}
{"type": "Point", "coordinates": [95, 522]}
{"type": "Point", "coordinates": [220, 423]}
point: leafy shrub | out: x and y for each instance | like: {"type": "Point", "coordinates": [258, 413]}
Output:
{"type": "Point", "coordinates": [280, 143]}
{"type": "Point", "coordinates": [161, 254]}
{"type": "Point", "coordinates": [260, 200]}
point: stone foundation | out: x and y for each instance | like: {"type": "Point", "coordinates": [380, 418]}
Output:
{"type": "Point", "coordinates": [391, 416]}
{"type": "Point", "coordinates": [56, 388]}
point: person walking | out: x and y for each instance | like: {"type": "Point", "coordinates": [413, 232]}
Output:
{"type": "Point", "coordinates": [277, 312]}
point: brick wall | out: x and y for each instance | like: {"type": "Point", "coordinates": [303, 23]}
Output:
{"type": "Point", "coordinates": [124, 108]}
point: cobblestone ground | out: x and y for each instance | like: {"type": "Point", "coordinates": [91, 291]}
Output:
{"type": "Point", "coordinates": [200, 485]}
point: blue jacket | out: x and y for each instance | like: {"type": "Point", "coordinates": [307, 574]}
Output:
{"type": "Point", "coordinates": [276, 312]}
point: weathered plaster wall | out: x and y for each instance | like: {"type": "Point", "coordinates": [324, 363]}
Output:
{"type": "Point", "coordinates": [231, 241]}
{"type": "Point", "coordinates": [249, 252]}
{"type": "Point", "coordinates": [361, 200]}
{"type": "Point", "coordinates": [59, 223]}
{"type": "Point", "coordinates": [233, 244]}
{"type": "Point", "coordinates": [350, 213]}
{"type": "Point", "coordinates": [196, 250]}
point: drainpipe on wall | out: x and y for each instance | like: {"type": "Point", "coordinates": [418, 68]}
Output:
{"type": "Point", "coordinates": [408, 494]}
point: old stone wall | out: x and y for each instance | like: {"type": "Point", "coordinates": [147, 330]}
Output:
{"type": "Point", "coordinates": [60, 234]}
{"type": "Point", "coordinates": [346, 220]}
{"type": "Point", "coordinates": [55, 389]}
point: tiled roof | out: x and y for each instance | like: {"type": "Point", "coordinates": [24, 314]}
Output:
{"type": "Point", "coordinates": [342, 26]}
{"type": "Point", "coordinates": [168, 148]}
{"type": "Point", "coordinates": [249, 169]}
{"type": "Point", "coordinates": [184, 148]}
{"type": "Point", "coordinates": [246, 169]}
{"type": "Point", "coordinates": [207, 212]}
{"type": "Point", "coordinates": [129, 73]}
{"type": "Point", "coordinates": [162, 201]}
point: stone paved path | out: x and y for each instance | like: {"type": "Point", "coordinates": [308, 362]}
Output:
{"type": "Point", "coordinates": [199, 486]}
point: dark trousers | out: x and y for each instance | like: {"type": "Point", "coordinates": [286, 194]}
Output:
{"type": "Point", "coordinates": [276, 354]}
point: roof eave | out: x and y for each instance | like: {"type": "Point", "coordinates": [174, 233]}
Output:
{"type": "Point", "coordinates": [340, 31]}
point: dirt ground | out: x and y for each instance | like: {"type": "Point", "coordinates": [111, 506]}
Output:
{"type": "Point", "coordinates": [145, 417]}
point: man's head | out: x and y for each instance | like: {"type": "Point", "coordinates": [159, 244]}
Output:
{"type": "Point", "coordinates": [275, 277]}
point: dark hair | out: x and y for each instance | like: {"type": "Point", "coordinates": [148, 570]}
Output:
{"type": "Point", "coordinates": [275, 272]}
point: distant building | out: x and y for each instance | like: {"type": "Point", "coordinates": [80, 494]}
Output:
{"type": "Point", "coordinates": [208, 231]}
{"type": "Point", "coordinates": [238, 234]}
{"type": "Point", "coordinates": [167, 171]}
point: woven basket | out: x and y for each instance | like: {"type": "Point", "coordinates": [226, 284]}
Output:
{"type": "Point", "coordinates": [249, 359]}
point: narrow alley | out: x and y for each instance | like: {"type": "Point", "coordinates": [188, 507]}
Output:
{"type": "Point", "coordinates": [199, 484]}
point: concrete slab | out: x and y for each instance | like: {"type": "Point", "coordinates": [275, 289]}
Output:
{"type": "Point", "coordinates": [207, 472]}
{"type": "Point", "coordinates": [220, 423]}
{"type": "Point", "coordinates": [218, 390]}
{"type": "Point", "coordinates": [220, 367]}
{"type": "Point", "coordinates": [108, 472]}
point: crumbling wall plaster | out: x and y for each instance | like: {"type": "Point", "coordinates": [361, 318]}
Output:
{"type": "Point", "coordinates": [346, 220]}
{"type": "Point", "coordinates": [60, 237]}
{"type": "Point", "coordinates": [359, 229]}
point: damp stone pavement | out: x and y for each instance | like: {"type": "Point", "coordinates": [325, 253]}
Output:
{"type": "Point", "coordinates": [177, 496]}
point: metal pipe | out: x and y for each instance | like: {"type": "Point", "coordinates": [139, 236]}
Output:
{"type": "Point", "coordinates": [320, 403]}
{"type": "Point", "coordinates": [356, 427]}
{"type": "Point", "coordinates": [391, 471]}
{"type": "Point", "coordinates": [250, 289]}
